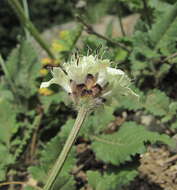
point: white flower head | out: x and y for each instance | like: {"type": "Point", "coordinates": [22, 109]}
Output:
{"type": "Point", "coordinates": [91, 80]}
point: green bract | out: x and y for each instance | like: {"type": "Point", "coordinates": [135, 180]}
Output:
{"type": "Point", "coordinates": [90, 79]}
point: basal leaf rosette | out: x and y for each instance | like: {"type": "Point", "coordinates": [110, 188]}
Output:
{"type": "Point", "coordinates": [90, 80]}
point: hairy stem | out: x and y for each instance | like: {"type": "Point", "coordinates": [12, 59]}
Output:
{"type": "Point", "coordinates": [7, 74]}
{"type": "Point", "coordinates": [66, 149]}
{"type": "Point", "coordinates": [9, 79]}
{"type": "Point", "coordinates": [26, 11]}
{"type": "Point", "coordinates": [29, 25]}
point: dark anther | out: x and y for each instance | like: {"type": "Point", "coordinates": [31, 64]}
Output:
{"type": "Point", "coordinates": [86, 92]}
{"type": "Point", "coordinates": [96, 90]}
{"type": "Point", "coordinates": [89, 92]}
{"type": "Point", "coordinates": [103, 100]}
{"type": "Point", "coordinates": [98, 87]}
{"type": "Point", "coordinates": [81, 86]}
{"type": "Point", "coordinates": [89, 76]}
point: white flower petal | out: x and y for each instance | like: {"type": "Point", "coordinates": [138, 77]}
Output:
{"type": "Point", "coordinates": [114, 71]}
{"type": "Point", "coordinates": [78, 69]}
{"type": "Point", "coordinates": [102, 80]}
{"type": "Point", "coordinates": [60, 78]}
{"type": "Point", "coordinates": [86, 65]}
{"type": "Point", "coordinates": [47, 84]}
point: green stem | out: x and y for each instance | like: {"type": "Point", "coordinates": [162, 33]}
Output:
{"type": "Point", "coordinates": [66, 149]}
{"type": "Point", "coordinates": [120, 19]}
{"type": "Point", "coordinates": [7, 75]}
{"type": "Point", "coordinates": [29, 25]}
{"type": "Point", "coordinates": [6, 72]}
{"type": "Point", "coordinates": [9, 80]}
{"type": "Point", "coordinates": [26, 11]}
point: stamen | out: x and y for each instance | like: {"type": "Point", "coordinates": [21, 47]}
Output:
{"type": "Point", "coordinates": [81, 86]}
{"type": "Point", "coordinates": [86, 92]}
{"type": "Point", "coordinates": [96, 90]}
{"type": "Point", "coordinates": [89, 76]}
{"type": "Point", "coordinates": [90, 81]}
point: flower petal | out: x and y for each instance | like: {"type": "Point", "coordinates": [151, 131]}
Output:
{"type": "Point", "coordinates": [60, 78]}
{"type": "Point", "coordinates": [47, 84]}
{"type": "Point", "coordinates": [85, 65]}
{"type": "Point", "coordinates": [114, 71]}
{"type": "Point", "coordinates": [102, 78]}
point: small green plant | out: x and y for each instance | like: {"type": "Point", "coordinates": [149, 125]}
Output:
{"type": "Point", "coordinates": [89, 81]}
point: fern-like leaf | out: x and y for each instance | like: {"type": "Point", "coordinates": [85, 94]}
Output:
{"type": "Point", "coordinates": [8, 124]}
{"type": "Point", "coordinates": [157, 103]}
{"type": "Point", "coordinates": [23, 68]}
{"type": "Point", "coordinates": [48, 157]}
{"type": "Point", "coordinates": [8, 128]}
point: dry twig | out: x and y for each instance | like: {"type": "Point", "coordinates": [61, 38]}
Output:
{"type": "Point", "coordinates": [90, 30]}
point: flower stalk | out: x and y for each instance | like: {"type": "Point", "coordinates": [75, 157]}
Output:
{"type": "Point", "coordinates": [26, 11]}
{"type": "Point", "coordinates": [90, 82]}
{"type": "Point", "coordinates": [82, 113]}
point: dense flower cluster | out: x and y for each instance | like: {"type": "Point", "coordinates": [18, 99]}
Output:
{"type": "Point", "coordinates": [91, 80]}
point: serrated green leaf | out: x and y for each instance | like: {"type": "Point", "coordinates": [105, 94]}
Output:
{"type": "Point", "coordinates": [174, 125]}
{"type": "Point", "coordinates": [4, 163]}
{"type": "Point", "coordinates": [163, 33]}
{"type": "Point", "coordinates": [110, 181]}
{"type": "Point", "coordinates": [8, 126]}
{"type": "Point", "coordinates": [129, 140]}
{"type": "Point", "coordinates": [142, 53]}
{"type": "Point", "coordinates": [171, 112]}
{"type": "Point", "coordinates": [5, 93]}
{"type": "Point", "coordinates": [157, 103]}
{"type": "Point", "coordinates": [173, 107]}
{"type": "Point", "coordinates": [23, 68]}
{"type": "Point", "coordinates": [130, 104]}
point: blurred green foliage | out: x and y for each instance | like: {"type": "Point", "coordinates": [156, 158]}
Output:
{"type": "Point", "coordinates": [55, 12]}
{"type": "Point", "coordinates": [34, 124]}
